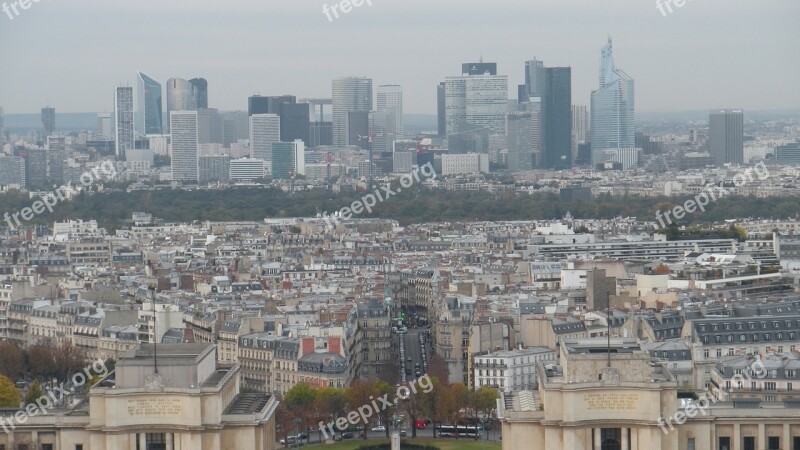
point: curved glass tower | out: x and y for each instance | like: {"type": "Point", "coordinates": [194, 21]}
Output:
{"type": "Point", "coordinates": [149, 118]}
{"type": "Point", "coordinates": [612, 108]}
{"type": "Point", "coordinates": [181, 95]}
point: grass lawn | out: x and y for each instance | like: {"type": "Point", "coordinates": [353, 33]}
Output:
{"type": "Point", "coordinates": [443, 444]}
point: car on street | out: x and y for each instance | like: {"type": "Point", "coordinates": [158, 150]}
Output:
{"type": "Point", "coordinates": [379, 428]}
{"type": "Point", "coordinates": [347, 435]}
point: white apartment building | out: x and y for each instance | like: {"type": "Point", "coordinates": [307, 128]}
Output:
{"type": "Point", "coordinates": [465, 164]}
{"type": "Point", "coordinates": [510, 370]}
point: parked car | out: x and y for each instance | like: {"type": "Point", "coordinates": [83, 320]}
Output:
{"type": "Point", "coordinates": [347, 435]}
{"type": "Point", "coordinates": [403, 433]}
{"type": "Point", "coordinates": [379, 428]}
{"type": "Point", "coordinates": [289, 440]}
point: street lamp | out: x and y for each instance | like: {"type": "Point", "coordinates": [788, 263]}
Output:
{"type": "Point", "coordinates": [297, 421]}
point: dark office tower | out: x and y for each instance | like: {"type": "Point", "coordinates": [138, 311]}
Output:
{"type": "Point", "coordinates": [257, 105]}
{"type": "Point", "coordinates": [358, 125]}
{"type": "Point", "coordinates": [56, 154]}
{"type": "Point", "coordinates": [295, 123]}
{"type": "Point", "coordinates": [48, 120]}
{"type": "Point", "coordinates": [557, 118]}
{"type": "Point", "coordinates": [235, 126]}
{"type": "Point", "coordinates": [35, 168]}
{"type": "Point", "coordinates": [440, 109]}
{"type": "Point", "coordinates": [350, 95]}
{"type": "Point", "coordinates": [321, 126]}
{"type": "Point", "coordinates": [200, 92]}
{"type": "Point", "coordinates": [479, 68]}
{"type": "Point", "coordinates": [149, 117]}
{"type": "Point", "coordinates": [321, 133]}
{"type": "Point", "coordinates": [521, 129]}
{"type": "Point", "coordinates": [209, 127]}
{"type": "Point", "coordinates": [726, 136]}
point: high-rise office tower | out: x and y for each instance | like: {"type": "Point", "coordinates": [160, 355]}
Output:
{"type": "Point", "coordinates": [12, 171]}
{"type": "Point", "coordinates": [478, 68]}
{"type": "Point", "coordinates": [440, 109]}
{"type": "Point", "coordinates": [295, 117]}
{"type": "Point", "coordinates": [265, 130]}
{"type": "Point", "coordinates": [149, 117]}
{"type": "Point", "coordinates": [209, 126]}
{"type": "Point", "coordinates": [48, 120]}
{"type": "Point", "coordinates": [35, 167]}
{"type": "Point", "coordinates": [556, 118]}
{"type": "Point", "coordinates": [200, 92]}
{"type": "Point", "coordinates": [211, 168]}
{"type": "Point", "coordinates": [288, 159]}
{"type": "Point", "coordinates": [56, 154]}
{"type": "Point", "coordinates": [726, 136]}
{"type": "Point", "coordinates": [257, 104]}
{"type": "Point", "coordinates": [580, 127]}
{"type": "Point", "coordinates": [358, 127]}
{"type": "Point", "coordinates": [183, 135]}
{"type": "Point", "coordinates": [612, 108]}
{"type": "Point", "coordinates": [521, 140]}
{"type": "Point", "coordinates": [123, 119]}
{"type": "Point", "coordinates": [350, 94]}
{"type": "Point", "coordinates": [478, 99]}
{"type": "Point", "coordinates": [235, 127]}
{"type": "Point", "coordinates": [390, 98]}
{"type": "Point", "coordinates": [181, 95]}
{"type": "Point", "coordinates": [533, 79]}
{"type": "Point", "coordinates": [382, 131]}
{"type": "Point", "coordinates": [104, 125]}
{"type": "Point", "coordinates": [321, 125]}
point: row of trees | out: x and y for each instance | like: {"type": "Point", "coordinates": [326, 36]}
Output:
{"type": "Point", "coordinates": [43, 361]}
{"type": "Point", "coordinates": [304, 407]}
{"type": "Point", "coordinates": [413, 205]}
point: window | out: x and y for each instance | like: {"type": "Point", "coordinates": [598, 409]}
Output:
{"type": "Point", "coordinates": [749, 443]}
{"type": "Point", "coordinates": [724, 443]}
{"type": "Point", "coordinates": [719, 353]}
{"type": "Point", "coordinates": [790, 373]}
{"type": "Point", "coordinates": [690, 444]}
{"type": "Point", "coordinates": [705, 353]}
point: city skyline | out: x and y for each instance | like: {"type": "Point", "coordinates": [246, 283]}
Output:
{"type": "Point", "coordinates": [662, 57]}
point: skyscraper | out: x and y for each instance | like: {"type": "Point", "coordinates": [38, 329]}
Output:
{"type": "Point", "coordinates": [183, 133]}
{"type": "Point", "coordinates": [149, 117]}
{"type": "Point", "coordinates": [533, 79]}
{"type": "Point", "coordinates": [295, 117]}
{"type": "Point", "coordinates": [48, 120]}
{"type": "Point", "coordinates": [556, 118]}
{"type": "Point", "coordinates": [382, 130]}
{"type": "Point", "coordinates": [521, 140]}
{"type": "Point", "coordinates": [350, 94]}
{"type": "Point", "coordinates": [104, 125]}
{"type": "Point", "coordinates": [209, 126]}
{"type": "Point", "coordinates": [580, 127]}
{"type": "Point", "coordinates": [440, 109]}
{"type": "Point", "coordinates": [612, 108]}
{"type": "Point", "coordinates": [257, 104]}
{"type": "Point", "coordinates": [200, 92]}
{"type": "Point", "coordinates": [477, 99]}
{"type": "Point", "coordinates": [726, 136]}
{"type": "Point", "coordinates": [265, 130]}
{"type": "Point", "coordinates": [181, 95]}
{"type": "Point", "coordinates": [123, 118]}
{"type": "Point", "coordinates": [288, 159]}
{"type": "Point", "coordinates": [56, 154]}
{"type": "Point", "coordinates": [390, 98]}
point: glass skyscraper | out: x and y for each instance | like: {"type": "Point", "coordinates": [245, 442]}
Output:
{"type": "Point", "coordinates": [726, 136]}
{"type": "Point", "coordinates": [123, 118]}
{"type": "Point", "coordinates": [149, 117]}
{"type": "Point", "coordinates": [349, 95]}
{"type": "Point", "coordinates": [556, 119]}
{"type": "Point", "coordinates": [612, 108]}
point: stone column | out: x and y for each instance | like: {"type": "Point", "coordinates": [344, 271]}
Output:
{"type": "Point", "coordinates": [624, 440]}
{"type": "Point", "coordinates": [786, 440]}
{"type": "Point", "coordinates": [169, 437]}
{"type": "Point", "coordinates": [395, 440]}
{"type": "Point", "coordinates": [761, 438]}
{"type": "Point", "coordinates": [736, 440]}
{"type": "Point", "coordinates": [597, 436]}
{"type": "Point", "coordinates": [142, 441]}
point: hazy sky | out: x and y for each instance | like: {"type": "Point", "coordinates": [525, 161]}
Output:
{"type": "Point", "coordinates": [71, 54]}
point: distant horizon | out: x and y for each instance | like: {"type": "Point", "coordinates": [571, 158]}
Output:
{"type": "Point", "coordinates": [702, 56]}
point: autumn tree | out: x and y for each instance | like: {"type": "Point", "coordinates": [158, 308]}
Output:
{"type": "Point", "coordinates": [300, 399]}
{"type": "Point", "coordinates": [437, 368]}
{"type": "Point", "coordinates": [284, 422]}
{"type": "Point", "coordinates": [9, 394]}
{"type": "Point", "coordinates": [12, 361]}
{"type": "Point", "coordinates": [330, 404]}
{"type": "Point", "coordinates": [67, 360]}
{"type": "Point", "coordinates": [41, 362]}
{"type": "Point", "coordinates": [34, 392]}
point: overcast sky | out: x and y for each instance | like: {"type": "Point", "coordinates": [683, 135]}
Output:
{"type": "Point", "coordinates": [70, 54]}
